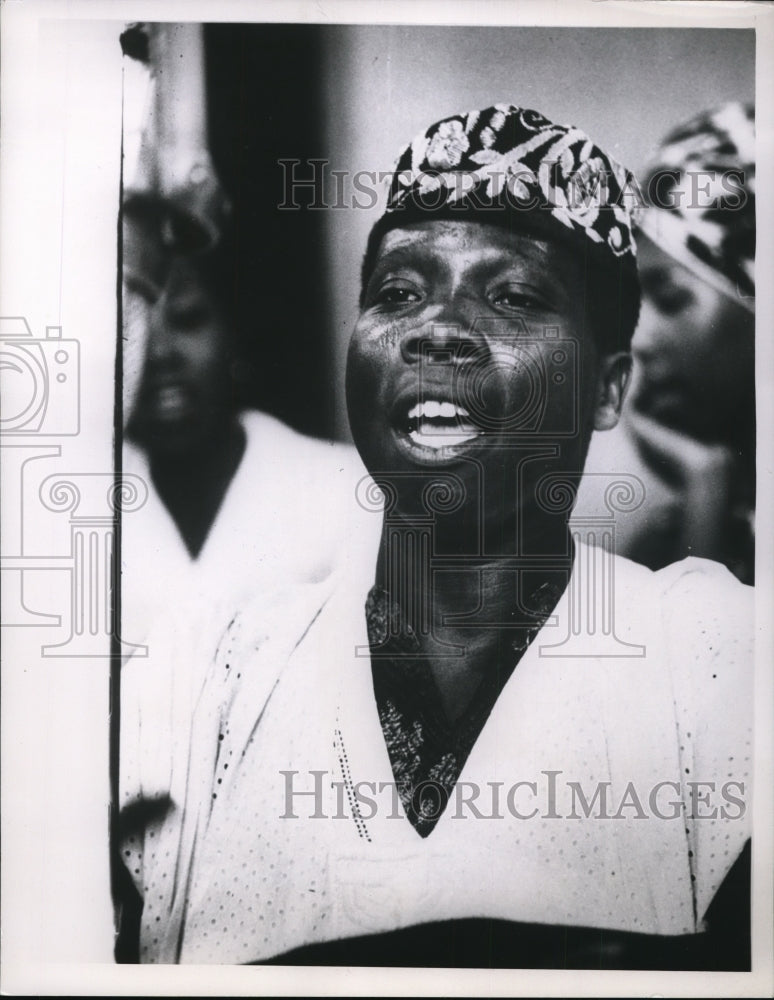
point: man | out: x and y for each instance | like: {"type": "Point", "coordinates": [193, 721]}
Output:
{"type": "Point", "coordinates": [185, 418]}
{"type": "Point", "coordinates": [239, 507]}
{"type": "Point", "coordinates": [229, 488]}
{"type": "Point", "coordinates": [455, 752]}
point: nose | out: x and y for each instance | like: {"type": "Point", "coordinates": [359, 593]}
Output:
{"type": "Point", "coordinates": [162, 342]}
{"type": "Point", "coordinates": [451, 333]}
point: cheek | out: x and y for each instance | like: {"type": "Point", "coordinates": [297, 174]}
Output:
{"type": "Point", "coordinates": [202, 350]}
{"type": "Point", "coordinates": [208, 370]}
{"type": "Point", "coordinates": [690, 333]}
{"type": "Point", "coordinates": [656, 331]}
{"type": "Point", "coordinates": [365, 376]}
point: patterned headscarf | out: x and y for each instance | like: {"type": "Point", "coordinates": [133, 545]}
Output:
{"type": "Point", "coordinates": [701, 192]}
{"type": "Point", "coordinates": [512, 166]}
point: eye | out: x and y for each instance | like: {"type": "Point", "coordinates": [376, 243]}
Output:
{"type": "Point", "coordinates": [666, 290]}
{"type": "Point", "coordinates": [189, 318]}
{"type": "Point", "coordinates": [517, 298]}
{"type": "Point", "coordinates": [393, 294]}
{"type": "Point", "coordinates": [672, 299]}
{"type": "Point", "coordinates": [136, 284]}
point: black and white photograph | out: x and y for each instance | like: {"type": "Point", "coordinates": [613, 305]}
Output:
{"type": "Point", "coordinates": [386, 481]}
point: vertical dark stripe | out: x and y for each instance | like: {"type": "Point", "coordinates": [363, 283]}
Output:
{"type": "Point", "coordinates": [264, 100]}
{"type": "Point", "coordinates": [114, 691]}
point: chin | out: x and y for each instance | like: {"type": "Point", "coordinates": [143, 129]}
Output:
{"type": "Point", "coordinates": [171, 441]}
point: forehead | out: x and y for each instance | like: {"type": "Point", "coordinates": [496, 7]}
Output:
{"type": "Point", "coordinates": [468, 242]}
{"type": "Point", "coordinates": [660, 271]}
{"type": "Point", "coordinates": [651, 256]}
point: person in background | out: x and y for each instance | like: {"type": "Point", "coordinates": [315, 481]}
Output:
{"type": "Point", "coordinates": [185, 418]}
{"type": "Point", "coordinates": [688, 425]}
{"type": "Point", "coordinates": [229, 488]}
{"type": "Point", "coordinates": [240, 507]}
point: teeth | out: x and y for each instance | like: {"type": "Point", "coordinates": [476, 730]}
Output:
{"type": "Point", "coordinates": [170, 396]}
{"type": "Point", "coordinates": [433, 408]}
{"type": "Point", "coordinates": [449, 438]}
{"type": "Point", "coordinates": [440, 424]}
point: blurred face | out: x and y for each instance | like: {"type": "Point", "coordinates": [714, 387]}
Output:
{"type": "Point", "coordinates": [183, 401]}
{"type": "Point", "coordinates": [693, 350]}
{"type": "Point", "coordinates": [470, 355]}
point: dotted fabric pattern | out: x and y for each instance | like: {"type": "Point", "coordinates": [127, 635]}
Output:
{"type": "Point", "coordinates": [713, 695]}
{"type": "Point", "coordinates": [184, 741]}
{"type": "Point", "coordinates": [265, 851]}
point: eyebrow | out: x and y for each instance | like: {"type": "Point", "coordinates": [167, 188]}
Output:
{"type": "Point", "coordinates": [652, 276]}
{"type": "Point", "coordinates": [187, 299]}
{"type": "Point", "coordinates": [411, 254]}
{"type": "Point", "coordinates": [407, 253]}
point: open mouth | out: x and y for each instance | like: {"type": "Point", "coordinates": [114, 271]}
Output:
{"type": "Point", "coordinates": [168, 400]}
{"type": "Point", "coordinates": [440, 424]}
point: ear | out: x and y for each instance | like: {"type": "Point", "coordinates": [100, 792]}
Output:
{"type": "Point", "coordinates": [612, 382]}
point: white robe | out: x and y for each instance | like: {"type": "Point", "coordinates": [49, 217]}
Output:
{"type": "Point", "coordinates": [279, 523]}
{"type": "Point", "coordinates": [240, 870]}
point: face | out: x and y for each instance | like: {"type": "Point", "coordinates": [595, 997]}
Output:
{"type": "Point", "coordinates": [693, 350]}
{"type": "Point", "coordinates": [471, 355]}
{"type": "Point", "coordinates": [183, 401]}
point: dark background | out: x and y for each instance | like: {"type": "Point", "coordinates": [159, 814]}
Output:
{"type": "Point", "coordinates": [264, 105]}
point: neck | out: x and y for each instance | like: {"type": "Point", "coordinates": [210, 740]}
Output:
{"type": "Point", "coordinates": [454, 585]}
{"type": "Point", "coordinates": [192, 486]}
{"type": "Point", "coordinates": [468, 616]}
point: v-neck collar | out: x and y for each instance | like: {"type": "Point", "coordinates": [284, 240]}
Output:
{"type": "Point", "coordinates": [428, 751]}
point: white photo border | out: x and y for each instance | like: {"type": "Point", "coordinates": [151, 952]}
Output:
{"type": "Point", "coordinates": [58, 255]}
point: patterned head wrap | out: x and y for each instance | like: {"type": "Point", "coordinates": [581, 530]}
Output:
{"type": "Point", "coordinates": [514, 167]}
{"type": "Point", "coordinates": [701, 195]}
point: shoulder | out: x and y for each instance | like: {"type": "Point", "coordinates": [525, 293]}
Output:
{"type": "Point", "coordinates": [300, 493]}
{"type": "Point", "coordinates": [698, 615]}
{"type": "Point", "coordinates": [709, 620]}
{"type": "Point", "coordinates": [687, 592]}
{"type": "Point", "coordinates": [701, 610]}
{"type": "Point", "coordinates": [709, 637]}
{"type": "Point", "coordinates": [134, 458]}
{"type": "Point", "coordinates": [270, 436]}
{"type": "Point", "coordinates": [700, 592]}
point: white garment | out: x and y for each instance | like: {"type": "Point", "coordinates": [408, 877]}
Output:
{"type": "Point", "coordinates": [227, 879]}
{"type": "Point", "coordinates": [280, 522]}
